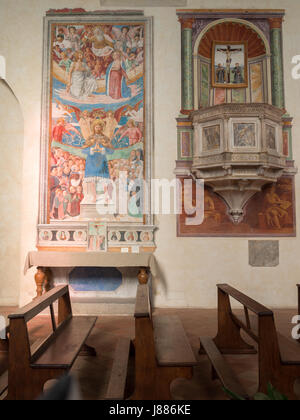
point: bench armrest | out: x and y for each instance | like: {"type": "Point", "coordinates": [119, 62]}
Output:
{"type": "Point", "coordinates": [251, 304]}
{"type": "Point", "coordinates": [39, 304]}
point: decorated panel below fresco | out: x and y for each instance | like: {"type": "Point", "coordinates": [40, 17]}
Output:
{"type": "Point", "coordinates": [269, 213]}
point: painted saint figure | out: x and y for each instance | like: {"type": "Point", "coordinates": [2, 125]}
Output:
{"type": "Point", "coordinates": [110, 125]}
{"type": "Point", "coordinates": [276, 213]}
{"type": "Point", "coordinates": [81, 83]}
{"type": "Point", "coordinates": [238, 76]}
{"type": "Point", "coordinates": [117, 79]}
{"type": "Point", "coordinates": [133, 133]}
{"type": "Point", "coordinates": [220, 73]}
{"type": "Point", "coordinates": [96, 167]}
{"type": "Point", "coordinates": [85, 123]}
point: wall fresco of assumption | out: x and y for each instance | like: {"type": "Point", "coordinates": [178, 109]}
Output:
{"type": "Point", "coordinates": [96, 117]}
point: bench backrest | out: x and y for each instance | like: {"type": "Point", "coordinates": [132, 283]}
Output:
{"type": "Point", "coordinates": [145, 356]}
{"type": "Point", "coordinates": [249, 305]}
{"type": "Point", "coordinates": [264, 333]}
{"type": "Point", "coordinates": [298, 286]}
{"type": "Point", "coordinates": [19, 338]}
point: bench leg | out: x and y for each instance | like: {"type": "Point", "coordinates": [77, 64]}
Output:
{"type": "Point", "coordinates": [167, 376]}
{"type": "Point", "coordinates": [87, 351]}
{"type": "Point", "coordinates": [32, 385]}
{"type": "Point", "coordinates": [161, 383]}
{"type": "Point", "coordinates": [283, 381]}
{"type": "Point", "coordinates": [3, 346]}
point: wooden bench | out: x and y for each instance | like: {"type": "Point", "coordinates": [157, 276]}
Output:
{"type": "Point", "coordinates": [4, 346]}
{"type": "Point", "coordinates": [118, 384]}
{"type": "Point", "coordinates": [30, 367]}
{"type": "Point", "coordinates": [162, 351]}
{"type": "Point", "coordinates": [4, 341]}
{"type": "Point", "coordinates": [298, 286]}
{"type": "Point", "coordinates": [278, 356]}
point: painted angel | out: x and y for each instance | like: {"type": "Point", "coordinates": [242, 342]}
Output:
{"type": "Point", "coordinates": [112, 121]}
{"type": "Point", "coordinates": [124, 37]}
{"type": "Point", "coordinates": [73, 36]}
{"type": "Point", "coordinates": [63, 127]}
{"type": "Point", "coordinates": [85, 119]}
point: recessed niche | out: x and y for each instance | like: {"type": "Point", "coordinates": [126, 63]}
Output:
{"type": "Point", "coordinates": [95, 279]}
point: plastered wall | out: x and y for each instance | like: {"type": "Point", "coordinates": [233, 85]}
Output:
{"type": "Point", "coordinates": [190, 267]}
{"type": "Point", "coordinates": [11, 137]}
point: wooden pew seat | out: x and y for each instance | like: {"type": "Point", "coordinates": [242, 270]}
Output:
{"type": "Point", "coordinates": [66, 346]}
{"type": "Point", "coordinates": [221, 368]}
{"type": "Point", "coordinates": [31, 366]}
{"type": "Point", "coordinates": [162, 351]}
{"type": "Point", "coordinates": [172, 347]}
{"type": "Point", "coordinates": [278, 356]}
{"type": "Point", "coordinates": [117, 384]}
{"type": "Point", "coordinates": [289, 348]}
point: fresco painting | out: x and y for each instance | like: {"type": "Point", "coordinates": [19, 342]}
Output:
{"type": "Point", "coordinates": [244, 135]}
{"type": "Point", "coordinates": [271, 137]}
{"type": "Point", "coordinates": [230, 64]}
{"type": "Point", "coordinates": [270, 212]}
{"type": "Point", "coordinates": [256, 80]}
{"type": "Point", "coordinates": [96, 115]}
{"type": "Point", "coordinates": [220, 96]}
{"type": "Point", "coordinates": [211, 139]}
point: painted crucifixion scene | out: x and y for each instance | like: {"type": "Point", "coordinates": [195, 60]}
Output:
{"type": "Point", "coordinates": [229, 66]}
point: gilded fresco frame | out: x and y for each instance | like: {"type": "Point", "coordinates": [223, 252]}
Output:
{"type": "Point", "coordinates": [72, 227]}
{"type": "Point", "coordinates": [227, 85]}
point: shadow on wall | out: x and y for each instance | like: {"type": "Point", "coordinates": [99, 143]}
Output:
{"type": "Point", "coordinates": [11, 164]}
{"type": "Point", "coordinates": [159, 284]}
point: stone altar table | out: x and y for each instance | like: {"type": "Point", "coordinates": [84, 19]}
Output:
{"type": "Point", "coordinates": [45, 260]}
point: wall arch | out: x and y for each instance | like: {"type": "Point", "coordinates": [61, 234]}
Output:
{"type": "Point", "coordinates": [234, 20]}
{"type": "Point", "coordinates": [11, 166]}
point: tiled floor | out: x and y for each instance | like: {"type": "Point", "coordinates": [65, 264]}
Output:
{"type": "Point", "coordinates": [93, 372]}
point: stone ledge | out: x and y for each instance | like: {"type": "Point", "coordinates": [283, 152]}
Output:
{"type": "Point", "coordinates": [144, 3]}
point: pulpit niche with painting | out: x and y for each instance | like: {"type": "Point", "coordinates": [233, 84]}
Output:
{"type": "Point", "coordinates": [233, 129]}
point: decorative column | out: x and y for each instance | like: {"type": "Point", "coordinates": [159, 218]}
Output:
{"type": "Point", "coordinates": [187, 94]}
{"type": "Point", "coordinates": [287, 148]}
{"type": "Point", "coordinates": [277, 62]}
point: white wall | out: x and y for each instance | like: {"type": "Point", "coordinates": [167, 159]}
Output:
{"type": "Point", "coordinates": [190, 267]}
{"type": "Point", "coordinates": [11, 140]}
